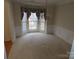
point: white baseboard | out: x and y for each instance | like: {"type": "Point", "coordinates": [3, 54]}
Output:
{"type": "Point", "coordinates": [61, 32]}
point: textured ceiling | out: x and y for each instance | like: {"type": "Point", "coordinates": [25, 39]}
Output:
{"type": "Point", "coordinates": [43, 2]}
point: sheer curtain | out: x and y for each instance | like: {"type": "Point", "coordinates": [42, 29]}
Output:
{"type": "Point", "coordinates": [42, 22]}
{"type": "Point", "coordinates": [24, 23]}
{"type": "Point", "coordinates": [33, 21]}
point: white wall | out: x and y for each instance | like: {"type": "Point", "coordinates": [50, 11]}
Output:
{"type": "Point", "coordinates": [64, 22]}
{"type": "Point", "coordinates": [17, 19]}
{"type": "Point", "coordinates": [65, 16]}
{"type": "Point", "coordinates": [50, 18]}
{"type": "Point", "coordinates": [61, 21]}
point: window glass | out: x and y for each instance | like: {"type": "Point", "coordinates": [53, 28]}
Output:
{"type": "Point", "coordinates": [24, 19]}
{"type": "Point", "coordinates": [33, 21]}
{"type": "Point", "coordinates": [42, 22]}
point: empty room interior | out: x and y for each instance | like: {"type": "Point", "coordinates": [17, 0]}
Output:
{"type": "Point", "coordinates": [39, 29]}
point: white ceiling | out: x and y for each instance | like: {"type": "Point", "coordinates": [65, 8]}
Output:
{"type": "Point", "coordinates": [43, 2]}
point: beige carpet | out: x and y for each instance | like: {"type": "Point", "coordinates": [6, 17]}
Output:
{"type": "Point", "coordinates": [39, 46]}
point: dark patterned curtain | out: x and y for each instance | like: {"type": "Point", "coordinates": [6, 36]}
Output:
{"type": "Point", "coordinates": [38, 14]}
{"type": "Point", "coordinates": [34, 10]}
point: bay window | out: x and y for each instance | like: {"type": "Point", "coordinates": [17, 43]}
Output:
{"type": "Point", "coordinates": [33, 20]}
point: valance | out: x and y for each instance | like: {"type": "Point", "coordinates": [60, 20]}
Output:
{"type": "Point", "coordinates": [34, 10]}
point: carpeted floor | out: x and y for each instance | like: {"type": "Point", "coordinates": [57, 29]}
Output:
{"type": "Point", "coordinates": [39, 46]}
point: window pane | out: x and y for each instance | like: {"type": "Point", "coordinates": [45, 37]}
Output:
{"type": "Point", "coordinates": [33, 17]}
{"type": "Point", "coordinates": [33, 21]}
{"type": "Point", "coordinates": [42, 25]}
{"type": "Point", "coordinates": [23, 26]}
{"type": "Point", "coordinates": [42, 22]}
{"type": "Point", "coordinates": [24, 19]}
{"type": "Point", "coordinates": [42, 17]}
{"type": "Point", "coordinates": [32, 25]}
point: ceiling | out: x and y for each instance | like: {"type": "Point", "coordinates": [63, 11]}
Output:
{"type": "Point", "coordinates": [43, 2]}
